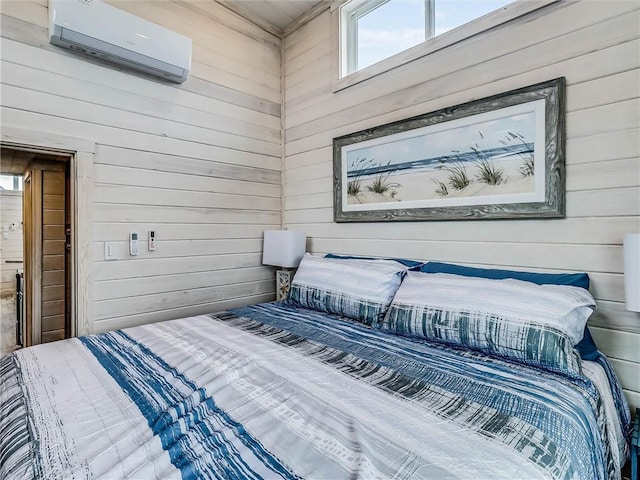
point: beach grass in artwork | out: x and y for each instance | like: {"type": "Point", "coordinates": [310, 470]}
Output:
{"type": "Point", "coordinates": [458, 177]}
{"type": "Point", "coordinates": [495, 157]}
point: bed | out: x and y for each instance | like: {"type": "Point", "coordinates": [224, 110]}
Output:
{"type": "Point", "coordinates": [308, 389]}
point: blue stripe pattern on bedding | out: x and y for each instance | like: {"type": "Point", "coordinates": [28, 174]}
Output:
{"type": "Point", "coordinates": [203, 441]}
{"type": "Point", "coordinates": [280, 391]}
{"type": "Point", "coordinates": [622, 406]}
{"type": "Point", "coordinates": [455, 384]}
{"type": "Point", "coordinates": [15, 453]}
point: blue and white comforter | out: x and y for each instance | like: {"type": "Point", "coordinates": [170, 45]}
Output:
{"type": "Point", "coordinates": [273, 391]}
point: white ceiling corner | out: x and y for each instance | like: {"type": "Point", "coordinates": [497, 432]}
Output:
{"type": "Point", "coordinates": [277, 13]}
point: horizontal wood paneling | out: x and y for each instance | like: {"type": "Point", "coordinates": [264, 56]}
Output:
{"type": "Point", "coordinates": [184, 248]}
{"type": "Point", "coordinates": [175, 265]}
{"type": "Point", "coordinates": [52, 278]}
{"type": "Point", "coordinates": [183, 298]}
{"type": "Point", "coordinates": [595, 46]}
{"type": "Point", "coordinates": [198, 94]}
{"type": "Point", "coordinates": [214, 305]}
{"type": "Point", "coordinates": [198, 163]}
{"type": "Point", "coordinates": [220, 120]}
{"type": "Point", "coordinates": [142, 177]}
{"type": "Point", "coordinates": [52, 323]}
{"type": "Point", "coordinates": [88, 113]}
{"type": "Point", "coordinates": [584, 231]}
{"type": "Point", "coordinates": [215, 166]}
{"type": "Point", "coordinates": [52, 292]}
{"type": "Point", "coordinates": [174, 231]}
{"type": "Point", "coordinates": [108, 193]}
{"type": "Point", "coordinates": [53, 336]}
{"type": "Point", "coordinates": [134, 287]}
{"type": "Point", "coordinates": [158, 214]}
{"type": "Point", "coordinates": [582, 204]}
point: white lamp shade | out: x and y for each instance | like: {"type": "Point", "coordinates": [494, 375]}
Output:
{"type": "Point", "coordinates": [632, 271]}
{"type": "Point", "coordinates": [283, 248]}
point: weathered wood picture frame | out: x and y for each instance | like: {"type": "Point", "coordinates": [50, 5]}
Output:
{"type": "Point", "coordinates": [500, 157]}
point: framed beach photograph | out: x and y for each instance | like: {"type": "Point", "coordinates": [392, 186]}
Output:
{"type": "Point", "coordinates": [497, 157]}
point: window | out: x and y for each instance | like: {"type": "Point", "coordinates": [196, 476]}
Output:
{"type": "Point", "coordinates": [11, 182]}
{"type": "Point", "coordinates": [378, 29]}
{"type": "Point", "coordinates": [372, 31]}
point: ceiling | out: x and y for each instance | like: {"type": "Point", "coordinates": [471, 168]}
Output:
{"type": "Point", "coordinates": [15, 162]}
{"type": "Point", "coordinates": [277, 13]}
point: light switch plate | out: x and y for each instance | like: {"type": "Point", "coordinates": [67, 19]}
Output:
{"type": "Point", "coordinates": [110, 251]}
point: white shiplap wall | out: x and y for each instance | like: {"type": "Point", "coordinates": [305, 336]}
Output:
{"type": "Point", "coordinates": [199, 163]}
{"type": "Point", "coordinates": [594, 44]}
{"type": "Point", "coordinates": [10, 240]}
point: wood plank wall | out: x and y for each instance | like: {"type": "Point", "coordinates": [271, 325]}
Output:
{"type": "Point", "coordinates": [199, 163]}
{"type": "Point", "coordinates": [595, 46]}
{"type": "Point", "coordinates": [10, 240]}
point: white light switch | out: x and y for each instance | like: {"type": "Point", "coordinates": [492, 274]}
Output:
{"type": "Point", "coordinates": [110, 251]}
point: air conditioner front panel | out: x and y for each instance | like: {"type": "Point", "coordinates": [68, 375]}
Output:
{"type": "Point", "coordinates": [96, 48]}
{"type": "Point", "coordinates": [112, 26]}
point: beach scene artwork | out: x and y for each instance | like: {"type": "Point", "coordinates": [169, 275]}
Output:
{"type": "Point", "coordinates": [489, 158]}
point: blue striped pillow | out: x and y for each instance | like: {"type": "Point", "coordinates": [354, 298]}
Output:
{"type": "Point", "coordinates": [586, 347]}
{"type": "Point", "coordinates": [358, 289]}
{"type": "Point", "coordinates": [538, 325]}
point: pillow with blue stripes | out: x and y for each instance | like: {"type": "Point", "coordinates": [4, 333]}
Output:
{"type": "Point", "coordinates": [358, 289]}
{"type": "Point", "coordinates": [537, 325]}
{"type": "Point", "coordinates": [586, 347]}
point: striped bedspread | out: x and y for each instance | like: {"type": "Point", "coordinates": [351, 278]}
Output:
{"type": "Point", "coordinates": [273, 391]}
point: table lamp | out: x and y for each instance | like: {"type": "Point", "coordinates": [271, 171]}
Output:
{"type": "Point", "coordinates": [631, 246]}
{"type": "Point", "coordinates": [283, 248]}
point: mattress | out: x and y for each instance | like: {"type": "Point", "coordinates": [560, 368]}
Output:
{"type": "Point", "coordinates": [276, 391]}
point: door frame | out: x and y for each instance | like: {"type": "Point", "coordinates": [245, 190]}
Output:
{"type": "Point", "coordinates": [81, 153]}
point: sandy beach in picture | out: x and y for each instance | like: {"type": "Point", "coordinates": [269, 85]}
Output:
{"type": "Point", "coordinates": [427, 184]}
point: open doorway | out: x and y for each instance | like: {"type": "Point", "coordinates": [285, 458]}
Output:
{"type": "Point", "coordinates": [80, 153]}
{"type": "Point", "coordinates": [42, 287]}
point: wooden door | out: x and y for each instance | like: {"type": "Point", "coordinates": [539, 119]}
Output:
{"type": "Point", "coordinates": [53, 256]}
{"type": "Point", "coordinates": [47, 247]}
{"type": "Point", "coordinates": [32, 234]}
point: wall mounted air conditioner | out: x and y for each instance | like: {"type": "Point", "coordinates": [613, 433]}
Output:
{"type": "Point", "coordinates": [96, 29]}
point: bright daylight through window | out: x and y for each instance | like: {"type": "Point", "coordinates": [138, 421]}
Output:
{"type": "Point", "coordinates": [377, 29]}
{"type": "Point", "coordinates": [11, 182]}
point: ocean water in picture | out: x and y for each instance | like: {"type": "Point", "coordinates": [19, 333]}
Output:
{"type": "Point", "coordinates": [492, 154]}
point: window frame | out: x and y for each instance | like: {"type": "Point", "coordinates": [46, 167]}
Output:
{"type": "Point", "coordinates": [354, 10]}
{"type": "Point", "coordinates": [344, 39]}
